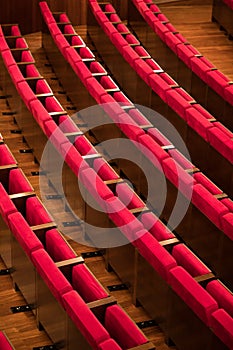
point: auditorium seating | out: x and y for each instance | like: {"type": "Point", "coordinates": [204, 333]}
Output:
{"type": "Point", "coordinates": [160, 259]}
{"type": "Point", "coordinates": [180, 59]}
{"type": "Point", "coordinates": [172, 102]}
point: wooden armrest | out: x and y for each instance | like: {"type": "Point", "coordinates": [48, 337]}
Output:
{"type": "Point", "coordinates": [221, 196]}
{"type": "Point", "coordinates": [146, 126]}
{"type": "Point", "coordinates": [98, 307]}
{"type": "Point", "coordinates": [21, 195]}
{"type": "Point", "coordinates": [44, 95]}
{"type": "Point", "coordinates": [72, 135]}
{"type": "Point", "coordinates": [25, 63]}
{"type": "Point", "coordinates": [47, 226]}
{"type": "Point", "coordinates": [192, 170]}
{"type": "Point", "coordinates": [168, 147]}
{"type": "Point", "coordinates": [8, 167]}
{"type": "Point", "coordinates": [92, 156]}
{"type": "Point", "coordinates": [169, 243]}
{"type": "Point", "coordinates": [205, 278]}
{"type": "Point", "coordinates": [137, 211]}
{"type": "Point", "coordinates": [70, 262]}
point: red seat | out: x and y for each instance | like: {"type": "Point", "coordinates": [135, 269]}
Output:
{"type": "Point", "coordinates": [155, 226]}
{"type": "Point", "coordinates": [84, 319]}
{"type": "Point", "coordinates": [208, 204]}
{"type": "Point", "coordinates": [6, 345]}
{"type": "Point", "coordinates": [18, 182]}
{"type": "Point", "coordinates": [84, 282]}
{"type": "Point", "coordinates": [6, 157]}
{"type": "Point", "coordinates": [189, 261]}
{"type": "Point", "coordinates": [109, 344]}
{"type": "Point", "coordinates": [222, 325]}
{"type": "Point", "coordinates": [23, 233]}
{"type": "Point", "coordinates": [193, 294]}
{"type": "Point", "coordinates": [36, 213]}
{"type": "Point", "coordinates": [222, 295]}
{"type": "Point", "coordinates": [57, 247]}
{"type": "Point", "coordinates": [51, 275]}
{"type": "Point", "coordinates": [122, 328]}
{"type": "Point", "coordinates": [156, 255]}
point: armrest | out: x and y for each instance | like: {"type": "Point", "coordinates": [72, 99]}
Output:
{"type": "Point", "coordinates": [66, 266]}
{"type": "Point", "coordinates": [98, 307]}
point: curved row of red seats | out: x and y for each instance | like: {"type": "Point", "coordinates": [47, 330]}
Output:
{"type": "Point", "coordinates": [187, 53]}
{"type": "Point", "coordinates": [163, 85]}
{"type": "Point", "coordinates": [49, 248]}
{"type": "Point", "coordinates": [171, 159]}
{"type": "Point", "coordinates": [141, 245]}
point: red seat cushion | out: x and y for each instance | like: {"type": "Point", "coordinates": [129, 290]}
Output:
{"type": "Point", "coordinates": [222, 295]}
{"type": "Point", "coordinates": [193, 294]}
{"type": "Point", "coordinates": [189, 261]}
{"type": "Point", "coordinates": [109, 344]}
{"type": "Point", "coordinates": [5, 344]}
{"type": "Point", "coordinates": [18, 182]}
{"type": "Point", "coordinates": [222, 325]}
{"type": "Point", "coordinates": [122, 328]}
{"type": "Point", "coordinates": [50, 273]}
{"type": "Point", "coordinates": [84, 319]}
{"type": "Point", "coordinates": [57, 247]}
{"type": "Point", "coordinates": [156, 255]}
{"type": "Point", "coordinates": [84, 282]}
{"type": "Point", "coordinates": [24, 235]}
{"type": "Point", "coordinates": [36, 213]}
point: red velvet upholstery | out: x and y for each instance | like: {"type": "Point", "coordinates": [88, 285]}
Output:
{"type": "Point", "coordinates": [222, 295]}
{"type": "Point", "coordinates": [36, 213]}
{"type": "Point", "coordinates": [208, 205]}
{"type": "Point", "coordinates": [156, 255]}
{"type": "Point", "coordinates": [189, 261]}
{"type": "Point", "coordinates": [73, 158]}
{"type": "Point", "coordinates": [109, 344]}
{"type": "Point", "coordinates": [84, 319]}
{"type": "Point", "coordinates": [50, 273]}
{"type": "Point", "coordinates": [86, 284]}
{"type": "Point", "coordinates": [129, 127]}
{"type": "Point", "coordinates": [122, 328]}
{"type": "Point", "coordinates": [156, 227]}
{"type": "Point", "coordinates": [193, 294]}
{"type": "Point", "coordinates": [222, 325]}
{"type": "Point", "coordinates": [227, 225]}
{"type": "Point", "coordinates": [6, 157]}
{"type": "Point", "coordinates": [57, 247]}
{"type": "Point", "coordinates": [39, 113]}
{"type": "Point", "coordinates": [54, 134]}
{"type": "Point", "coordinates": [95, 186]}
{"type": "Point", "coordinates": [128, 197]}
{"type": "Point", "coordinates": [104, 170]}
{"type": "Point", "coordinates": [221, 139]}
{"type": "Point", "coordinates": [178, 177]}
{"type": "Point", "coordinates": [5, 344]}
{"type": "Point", "coordinates": [23, 234]}
{"type": "Point", "coordinates": [205, 182]}
{"type": "Point", "coordinates": [179, 100]}
{"type": "Point", "coordinates": [18, 182]}
{"type": "Point", "coordinates": [84, 146]}
{"type": "Point", "coordinates": [198, 122]}
{"type": "Point", "coordinates": [6, 205]}
{"type": "Point", "coordinates": [26, 93]}
{"type": "Point", "coordinates": [152, 150]}
{"type": "Point", "coordinates": [138, 117]}
{"type": "Point", "coordinates": [122, 218]}
{"type": "Point", "coordinates": [66, 124]}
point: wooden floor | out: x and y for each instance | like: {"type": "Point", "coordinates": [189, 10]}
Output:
{"type": "Point", "coordinates": [194, 23]}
